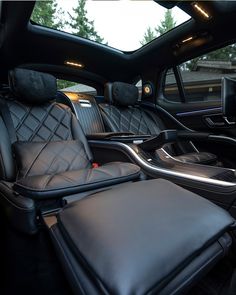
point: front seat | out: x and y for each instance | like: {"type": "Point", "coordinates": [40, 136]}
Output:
{"type": "Point", "coordinates": [44, 152]}
{"type": "Point", "coordinates": [121, 113]}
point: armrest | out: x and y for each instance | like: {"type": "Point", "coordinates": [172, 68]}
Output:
{"type": "Point", "coordinates": [170, 136]}
{"type": "Point", "coordinates": [49, 186]}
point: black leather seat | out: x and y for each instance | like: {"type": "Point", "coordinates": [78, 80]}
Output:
{"type": "Point", "coordinates": [122, 114]}
{"type": "Point", "coordinates": [138, 238]}
{"type": "Point", "coordinates": [44, 152]}
{"type": "Point", "coordinates": [148, 237]}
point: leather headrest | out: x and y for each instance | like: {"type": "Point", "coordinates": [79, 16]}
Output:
{"type": "Point", "coordinates": [32, 87]}
{"type": "Point", "coordinates": [120, 93]}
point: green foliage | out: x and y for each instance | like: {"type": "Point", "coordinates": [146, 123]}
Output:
{"type": "Point", "coordinates": [62, 84]}
{"type": "Point", "coordinates": [81, 25]}
{"type": "Point", "coordinates": [167, 24]}
{"type": "Point", "coordinates": [223, 54]}
{"type": "Point", "coordinates": [148, 36]}
{"type": "Point", "coordinates": [46, 13]}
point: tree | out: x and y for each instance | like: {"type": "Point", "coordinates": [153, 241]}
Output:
{"type": "Point", "coordinates": [167, 24]}
{"type": "Point", "coordinates": [47, 13]}
{"type": "Point", "coordinates": [62, 84]}
{"type": "Point", "coordinates": [223, 54]}
{"type": "Point", "coordinates": [81, 25]}
{"type": "Point", "coordinates": [148, 36]}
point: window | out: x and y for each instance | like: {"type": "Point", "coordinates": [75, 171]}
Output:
{"type": "Point", "coordinates": [74, 87]}
{"type": "Point", "coordinates": [125, 25]}
{"type": "Point", "coordinates": [200, 78]}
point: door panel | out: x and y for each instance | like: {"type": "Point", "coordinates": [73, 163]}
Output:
{"type": "Point", "coordinates": [196, 115]}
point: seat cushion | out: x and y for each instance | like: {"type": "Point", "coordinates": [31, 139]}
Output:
{"type": "Point", "coordinates": [71, 182]}
{"type": "Point", "coordinates": [198, 158]}
{"type": "Point", "coordinates": [135, 239]}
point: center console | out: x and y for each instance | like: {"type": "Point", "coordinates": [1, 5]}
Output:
{"type": "Point", "coordinates": [215, 183]}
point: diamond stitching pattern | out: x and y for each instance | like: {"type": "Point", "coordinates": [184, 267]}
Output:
{"type": "Point", "coordinates": [130, 119]}
{"type": "Point", "coordinates": [51, 157]}
{"type": "Point", "coordinates": [50, 122]}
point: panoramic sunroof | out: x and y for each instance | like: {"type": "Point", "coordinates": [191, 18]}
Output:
{"type": "Point", "coordinates": [126, 24]}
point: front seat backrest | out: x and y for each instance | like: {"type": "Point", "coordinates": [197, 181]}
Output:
{"type": "Point", "coordinates": [122, 114]}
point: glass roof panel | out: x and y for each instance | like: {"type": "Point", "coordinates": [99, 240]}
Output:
{"type": "Point", "coordinates": [124, 24]}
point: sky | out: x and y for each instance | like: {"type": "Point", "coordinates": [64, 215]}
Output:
{"type": "Point", "coordinates": [123, 23]}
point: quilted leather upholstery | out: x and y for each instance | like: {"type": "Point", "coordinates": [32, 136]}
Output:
{"type": "Point", "coordinates": [50, 157]}
{"type": "Point", "coordinates": [129, 119]}
{"type": "Point", "coordinates": [51, 149]}
{"type": "Point", "coordinates": [140, 122]}
{"type": "Point", "coordinates": [70, 182]}
{"type": "Point", "coordinates": [51, 121]}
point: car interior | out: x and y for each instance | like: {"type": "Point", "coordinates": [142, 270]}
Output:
{"type": "Point", "coordinates": [129, 188]}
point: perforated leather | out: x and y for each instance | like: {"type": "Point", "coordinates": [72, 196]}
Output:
{"type": "Point", "coordinates": [48, 122]}
{"type": "Point", "coordinates": [129, 119]}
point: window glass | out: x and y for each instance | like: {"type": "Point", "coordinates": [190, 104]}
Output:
{"type": "Point", "coordinates": [171, 90]}
{"type": "Point", "coordinates": [202, 76]}
{"type": "Point", "coordinates": [100, 21]}
{"type": "Point", "coordinates": [68, 86]}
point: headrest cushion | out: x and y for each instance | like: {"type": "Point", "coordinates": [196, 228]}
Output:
{"type": "Point", "coordinates": [122, 94]}
{"type": "Point", "coordinates": [32, 87]}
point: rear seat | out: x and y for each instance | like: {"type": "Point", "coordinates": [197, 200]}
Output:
{"type": "Point", "coordinates": [145, 237]}
{"type": "Point", "coordinates": [44, 152]}
{"type": "Point", "coordinates": [122, 114]}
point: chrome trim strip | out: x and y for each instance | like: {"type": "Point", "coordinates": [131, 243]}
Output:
{"type": "Point", "coordinates": [169, 156]}
{"type": "Point", "coordinates": [194, 147]}
{"type": "Point", "coordinates": [222, 138]}
{"type": "Point", "coordinates": [85, 103]}
{"type": "Point", "coordinates": [140, 161]}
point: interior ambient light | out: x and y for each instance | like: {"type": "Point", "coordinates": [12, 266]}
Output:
{"type": "Point", "coordinates": [74, 64]}
{"type": "Point", "coordinates": [187, 39]}
{"type": "Point", "coordinates": [201, 10]}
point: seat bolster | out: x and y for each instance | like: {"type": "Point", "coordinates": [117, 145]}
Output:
{"type": "Point", "coordinates": [7, 165]}
{"type": "Point", "coordinates": [19, 211]}
{"type": "Point", "coordinates": [77, 133]}
{"type": "Point", "coordinates": [110, 122]}
{"type": "Point", "coordinates": [72, 182]}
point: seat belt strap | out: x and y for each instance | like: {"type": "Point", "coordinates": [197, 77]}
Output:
{"type": "Point", "coordinates": [7, 119]}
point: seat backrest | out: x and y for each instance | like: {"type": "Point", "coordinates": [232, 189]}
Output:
{"type": "Point", "coordinates": [86, 110]}
{"type": "Point", "coordinates": [38, 121]}
{"type": "Point", "coordinates": [122, 114]}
